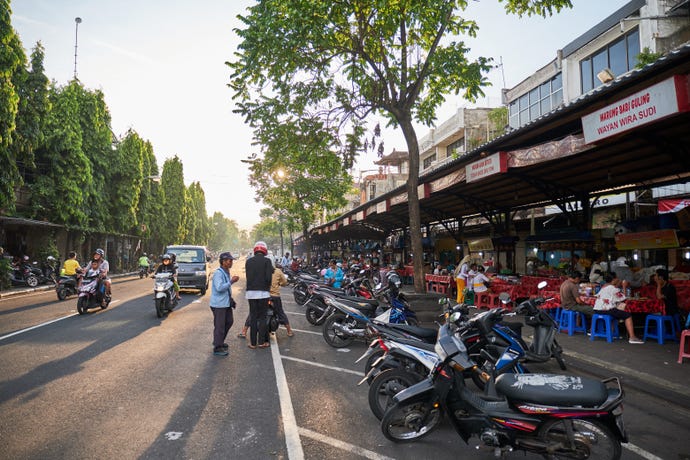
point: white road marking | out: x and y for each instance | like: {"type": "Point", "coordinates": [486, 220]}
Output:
{"type": "Point", "coordinates": [292, 441]}
{"type": "Point", "coordinates": [307, 332]}
{"type": "Point", "coordinates": [36, 327]}
{"type": "Point", "coordinates": [173, 435]}
{"type": "Point", "coordinates": [641, 452]}
{"type": "Point", "coordinates": [323, 366]}
{"type": "Point", "coordinates": [342, 445]}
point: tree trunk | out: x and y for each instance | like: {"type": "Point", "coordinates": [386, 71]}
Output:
{"type": "Point", "coordinates": [413, 203]}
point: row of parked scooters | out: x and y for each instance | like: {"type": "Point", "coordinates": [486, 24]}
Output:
{"type": "Point", "coordinates": [417, 375]}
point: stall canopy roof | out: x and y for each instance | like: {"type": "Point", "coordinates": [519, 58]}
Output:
{"type": "Point", "coordinates": [554, 163]}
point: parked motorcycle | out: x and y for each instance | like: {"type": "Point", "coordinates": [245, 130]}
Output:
{"type": "Point", "coordinates": [551, 415]}
{"type": "Point", "coordinates": [92, 295]}
{"type": "Point", "coordinates": [350, 320]}
{"type": "Point", "coordinates": [164, 294]}
{"type": "Point", "coordinates": [23, 275]}
{"type": "Point", "coordinates": [66, 286]}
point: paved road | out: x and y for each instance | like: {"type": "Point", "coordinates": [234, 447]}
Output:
{"type": "Point", "coordinates": [121, 383]}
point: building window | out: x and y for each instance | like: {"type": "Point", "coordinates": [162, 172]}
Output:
{"type": "Point", "coordinates": [620, 56]}
{"type": "Point", "coordinates": [372, 190]}
{"type": "Point", "coordinates": [537, 102]}
{"type": "Point", "coordinates": [428, 161]}
{"type": "Point", "coordinates": [457, 147]}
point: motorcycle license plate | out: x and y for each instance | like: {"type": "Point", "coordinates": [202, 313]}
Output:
{"type": "Point", "coordinates": [621, 425]}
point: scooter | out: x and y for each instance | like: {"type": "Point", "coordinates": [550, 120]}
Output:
{"type": "Point", "coordinates": [164, 293]}
{"type": "Point", "coordinates": [551, 415]}
{"type": "Point", "coordinates": [22, 275]}
{"type": "Point", "coordinates": [92, 295]}
{"type": "Point", "coordinates": [544, 345]}
{"type": "Point", "coordinates": [66, 286]}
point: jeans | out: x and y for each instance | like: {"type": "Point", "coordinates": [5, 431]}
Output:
{"type": "Point", "coordinates": [222, 322]}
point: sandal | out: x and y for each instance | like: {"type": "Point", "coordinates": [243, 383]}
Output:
{"type": "Point", "coordinates": [265, 345]}
{"type": "Point", "coordinates": [290, 334]}
{"type": "Point", "coordinates": [252, 346]}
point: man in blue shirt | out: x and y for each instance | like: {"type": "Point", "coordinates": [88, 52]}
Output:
{"type": "Point", "coordinates": [222, 303]}
{"type": "Point", "coordinates": [334, 275]}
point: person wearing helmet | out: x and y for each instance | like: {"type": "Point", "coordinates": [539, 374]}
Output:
{"type": "Point", "coordinates": [144, 262]}
{"type": "Point", "coordinates": [259, 271]}
{"type": "Point", "coordinates": [104, 268]}
{"type": "Point", "coordinates": [168, 266]}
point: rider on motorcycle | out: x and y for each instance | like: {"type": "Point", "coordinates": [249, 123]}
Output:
{"type": "Point", "coordinates": [169, 267]}
{"type": "Point", "coordinates": [104, 267]}
{"type": "Point", "coordinates": [71, 267]}
{"type": "Point", "coordinates": [144, 262]}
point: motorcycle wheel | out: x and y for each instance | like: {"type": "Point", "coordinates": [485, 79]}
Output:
{"type": "Point", "coordinates": [334, 337]}
{"type": "Point", "coordinates": [82, 305]}
{"type": "Point", "coordinates": [386, 385]}
{"type": "Point", "coordinates": [141, 275]}
{"type": "Point", "coordinates": [407, 422]}
{"type": "Point", "coordinates": [62, 294]}
{"type": "Point", "coordinates": [300, 297]}
{"type": "Point", "coordinates": [313, 316]}
{"type": "Point", "coordinates": [590, 439]}
{"type": "Point", "coordinates": [160, 307]}
{"type": "Point", "coordinates": [32, 281]}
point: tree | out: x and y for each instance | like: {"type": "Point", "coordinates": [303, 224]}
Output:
{"type": "Point", "coordinates": [33, 89]}
{"type": "Point", "coordinates": [348, 59]}
{"type": "Point", "coordinates": [225, 234]}
{"type": "Point", "coordinates": [196, 222]}
{"type": "Point", "coordinates": [174, 192]}
{"type": "Point", "coordinates": [298, 175]}
{"type": "Point", "coordinates": [62, 171]}
{"type": "Point", "coordinates": [12, 60]}
{"type": "Point", "coordinates": [127, 180]}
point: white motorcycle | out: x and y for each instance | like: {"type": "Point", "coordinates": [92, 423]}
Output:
{"type": "Point", "coordinates": [164, 293]}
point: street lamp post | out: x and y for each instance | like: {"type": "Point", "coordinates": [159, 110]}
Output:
{"type": "Point", "coordinates": [77, 21]}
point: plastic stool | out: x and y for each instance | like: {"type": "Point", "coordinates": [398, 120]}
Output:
{"type": "Point", "coordinates": [684, 351]}
{"type": "Point", "coordinates": [568, 322]}
{"type": "Point", "coordinates": [608, 328]}
{"type": "Point", "coordinates": [659, 329]}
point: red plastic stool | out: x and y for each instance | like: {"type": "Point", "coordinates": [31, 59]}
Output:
{"type": "Point", "coordinates": [684, 351]}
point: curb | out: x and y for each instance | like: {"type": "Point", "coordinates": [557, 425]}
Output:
{"type": "Point", "coordinates": [27, 291]}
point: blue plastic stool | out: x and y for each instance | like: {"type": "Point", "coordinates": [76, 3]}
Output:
{"type": "Point", "coordinates": [664, 328]}
{"type": "Point", "coordinates": [568, 322]}
{"type": "Point", "coordinates": [604, 326]}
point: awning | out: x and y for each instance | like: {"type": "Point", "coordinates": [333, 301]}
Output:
{"type": "Point", "coordinates": [666, 206]}
{"type": "Point", "coordinates": [26, 222]}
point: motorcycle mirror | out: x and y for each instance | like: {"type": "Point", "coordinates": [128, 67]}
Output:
{"type": "Point", "coordinates": [504, 297]}
{"type": "Point", "coordinates": [542, 285]}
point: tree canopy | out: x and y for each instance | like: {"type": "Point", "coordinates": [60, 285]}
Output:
{"type": "Point", "coordinates": [342, 61]}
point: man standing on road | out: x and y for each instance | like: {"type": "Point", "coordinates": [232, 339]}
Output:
{"type": "Point", "coordinates": [222, 303]}
{"type": "Point", "coordinates": [259, 271]}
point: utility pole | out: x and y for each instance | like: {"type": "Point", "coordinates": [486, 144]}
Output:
{"type": "Point", "coordinates": [77, 21]}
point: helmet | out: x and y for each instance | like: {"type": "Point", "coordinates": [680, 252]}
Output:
{"type": "Point", "coordinates": [261, 247]}
{"type": "Point", "coordinates": [143, 254]}
{"type": "Point", "coordinates": [166, 256]}
{"type": "Point", "coordinates": [100, 252]}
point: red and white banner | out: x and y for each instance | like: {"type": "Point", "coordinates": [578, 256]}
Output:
{"type": "Point", "coordinates": [666, 206]}
{"type": "Point", "coordinates": [661, 100]}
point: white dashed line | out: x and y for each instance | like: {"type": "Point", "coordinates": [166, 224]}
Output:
{"type": "Point", "coordinates": [342, 445]}
{"type": "Point", "coordinates": [292, 441]}
{"type": "Point", "coordinates": [35, 327]}
{"type": "Point", "coordinates": [323, 366]}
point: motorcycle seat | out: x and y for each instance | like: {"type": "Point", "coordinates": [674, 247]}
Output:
{"type": "Point", "coordinates": [340, 295]}
{"type": "Point", "coordinates": [552, 390]}
{"type": "Point", "coordinates": [424, 333]}
{"type": "Point", "coordinates": [363, 305]}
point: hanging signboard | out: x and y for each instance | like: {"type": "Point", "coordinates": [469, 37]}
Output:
{"type": "Point", "coordinates": [493, 164]}
{"type": "Point", "coordinates": [657, 239]}
{"type": "Point", "coordinates": [661, 100]}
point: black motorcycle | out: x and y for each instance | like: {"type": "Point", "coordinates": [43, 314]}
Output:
{"type": "Point", "coordinates": [23, 275]}
{"type": "Point", "coordinates": [66, 286]}
{"type": "Point", "coordinates": [556, 416]}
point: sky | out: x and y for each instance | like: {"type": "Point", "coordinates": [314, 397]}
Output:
{"type": "Point", "coordinates": [161, 67]}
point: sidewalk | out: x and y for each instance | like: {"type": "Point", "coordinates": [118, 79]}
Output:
{"type": "Point", "coordinates": [25, 290]}
{"type": "Point", "coordinates": [650, 368]}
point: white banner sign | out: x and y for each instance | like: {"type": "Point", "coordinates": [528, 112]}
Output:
{"type": "Point", "coordinates": [665, 98]}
